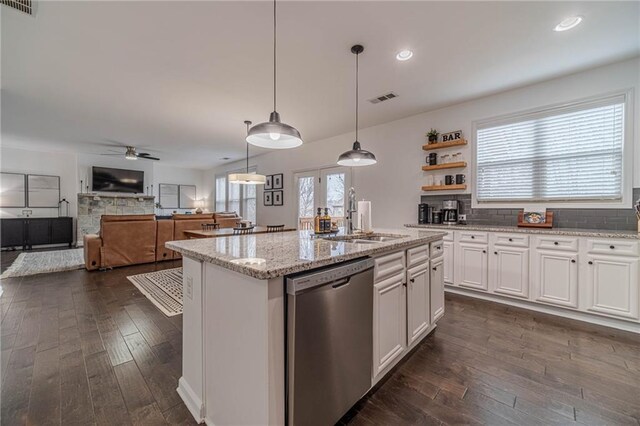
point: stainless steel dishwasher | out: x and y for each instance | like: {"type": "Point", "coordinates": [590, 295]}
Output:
{"type": "Point", "coordinates": [329, 341]}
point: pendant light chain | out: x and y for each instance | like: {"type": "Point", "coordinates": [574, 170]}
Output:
{"type": "Point", "coordinates": [357, 74]}
{"type": "Point", "coordinates": [274, 55]}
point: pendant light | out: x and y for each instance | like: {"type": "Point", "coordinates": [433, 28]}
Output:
{"type": "Point", "coordinates": [357, 156]}
{"type": "Point", "coordinates": [274, 134]}
{"type": "Point", "coordinates": [247, 178]}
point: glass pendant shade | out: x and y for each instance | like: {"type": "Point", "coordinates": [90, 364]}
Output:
{"type": "Point", "coordinates": [274, 134]}
{"type": "Point", "coordinates": [247, 178]}
{"type": "Point", "coordinates": [357, 157]}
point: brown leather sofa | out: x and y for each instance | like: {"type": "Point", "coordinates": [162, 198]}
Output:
{"type": "Point", "coordinates": [133, 239]}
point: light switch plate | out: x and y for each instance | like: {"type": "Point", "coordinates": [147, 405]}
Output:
{"type": "Point", "coordinates": [189, 287]}
{"type": "Point", "coordinates": [462, 217]}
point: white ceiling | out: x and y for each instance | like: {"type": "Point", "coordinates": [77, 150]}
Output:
{"type": "Point", "coordinates": [180, 77]}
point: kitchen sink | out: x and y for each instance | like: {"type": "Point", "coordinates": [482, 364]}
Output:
{"type": "Point", "coordinates": [366, 238]}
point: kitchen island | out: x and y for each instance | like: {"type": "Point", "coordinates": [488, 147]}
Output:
{"type": "Point", "coordinates": [235, 313]}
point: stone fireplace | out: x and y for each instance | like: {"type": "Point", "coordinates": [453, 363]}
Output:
{"type": "Point", "coordinates": [92, 206]}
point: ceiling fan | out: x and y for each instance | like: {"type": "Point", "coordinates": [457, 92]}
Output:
{"type": "Point", "coordinates": [131, 154]}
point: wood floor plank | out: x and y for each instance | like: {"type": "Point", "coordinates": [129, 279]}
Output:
{"type": "Point", "coordinates": [137, 396]}
{"type": "Point", "coordinates": [116, 347]}
{"type": "Point", "coordinates": [44, 402]}
{"type": "Point", "coordinates": [16, 387]}
{"type": "Point", "coordinates": [108, 402]}
{"type": "Point", "coordinates": [152, 334]}
{"type": "Point", "coordinates": [76, 404]}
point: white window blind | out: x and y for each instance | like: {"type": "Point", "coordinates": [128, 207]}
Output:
{"type": "Point", "coordinates": [565, 154]}
{"type": "Point", "coordinates": [221, 193]}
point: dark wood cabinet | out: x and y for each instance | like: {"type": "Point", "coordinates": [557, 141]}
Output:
{"type": "Point", "coordinates": [33, 231]}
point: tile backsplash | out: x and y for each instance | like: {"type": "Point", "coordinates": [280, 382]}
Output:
{"type": "Point", "coordinates": [616, 219]}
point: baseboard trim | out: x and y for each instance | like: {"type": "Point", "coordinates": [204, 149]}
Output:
{"type": "Point", "coordinates": [551, 310]}
{"type": "Point", "coordinates": [191, 400]}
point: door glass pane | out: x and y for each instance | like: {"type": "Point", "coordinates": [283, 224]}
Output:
{"type": "Point", "coordinates": [335, 194]}
{"type": "Point", "coordinates": [305, 201]}
{"type": "Point", "coordinates": [249, 205]}
{"type": "Point", "coordinates": [221, 194]}
{"type": "Point", "coordinates": [234, 198]}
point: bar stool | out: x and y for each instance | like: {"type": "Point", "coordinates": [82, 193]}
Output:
{"type": "Point", "coordinates": [242, 231]}
{"type": "Point", "coordinates": [275, 228]}
{"type": "Point", "coordinates": [210, 226]}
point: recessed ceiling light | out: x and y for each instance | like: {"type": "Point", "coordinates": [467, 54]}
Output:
{"type": "Point", "coordinates": [568, 23]}
{"type": "Point", "coordinates": [404, 55]}
{"type": "Point", "coordinates": [225, 158]}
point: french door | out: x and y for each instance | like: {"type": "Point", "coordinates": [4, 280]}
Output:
{"type": "Point", "coordinates": [327, 187]}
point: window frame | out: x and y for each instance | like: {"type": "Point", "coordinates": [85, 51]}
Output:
{"type": "Point", "coordinates": [241, 202]}
{"type": "Point", "coordinates": [224, 176]}
{"type": "Point", "coordinates": [561, 108]}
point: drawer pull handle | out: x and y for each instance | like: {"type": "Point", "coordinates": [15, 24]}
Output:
{"type": "Point", "coordinates": [590, 263]}
{"type": "Point", "coordinates": [484, 251]}
{"type": "Point", "coordinates": [413, 280]}
{"type": "Point", "coordinates": [555, 243]}
{"type": "Point", "coordinates": [510, 239]}
{"type": "Point", "coordinates": [573, 261]}
{"type": "Point", "coordinates": [438, 248]}
{"type": "Point", "coordinates": [473, 237]}
{"type": "Point", "coordinates": [435, 268]}
{"type": "Point", "coordinates": [495, 252]}
{"type": "Point", "coordinates": [612, 247]}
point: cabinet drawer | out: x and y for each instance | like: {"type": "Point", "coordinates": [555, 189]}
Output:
{"type": "Point", "coordinates": [473, 237]}
{"type": "Point", "coordinates": [557, 243]}
{"type": "Point", "coordinates": [437, 248]}
{"type": "Point", "coordinates": [418, 255]}
{"type": "Point", "coordinates": [388, 265]}
{"type": "Point", "coordinates": [614, 247]}
{"type": "Point", "coordinates": [512, 240]}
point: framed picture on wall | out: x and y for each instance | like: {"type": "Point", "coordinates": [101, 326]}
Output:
{"type": "Point", "coordinates": [43, 191]}
{"type": "Point", "coordinates": [13, 192]}
{"type": "Point", "coordinates": [277, 181]}
{"type": "Point", "coordinates": [188, 196]}
{"type": "Point", "coordinates": [168, 195]}
{"type": "Point", "coordinates": [268, 198]}
{"type": "Point", "coordinates": [277, 198]}
{"type": "Point", "coordinates": [269, 184]}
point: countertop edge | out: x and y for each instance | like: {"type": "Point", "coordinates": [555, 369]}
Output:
{"type": "Point", "coordinates": [303, 266]}
{"type": "Point", "coordinates": [557, 231]}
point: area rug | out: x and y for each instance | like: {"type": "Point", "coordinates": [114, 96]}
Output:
{"type": "Point", "coordinates": [162, 288]}
{"type": "Point", "coordinates": [42, 262]}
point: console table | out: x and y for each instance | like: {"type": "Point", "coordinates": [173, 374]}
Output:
{"type": "Point", "coordinates": [32, 231]}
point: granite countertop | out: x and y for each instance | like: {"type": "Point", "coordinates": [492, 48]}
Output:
{"type": "Point", "coordinates": [573, 232]}
{"type": "Point", "coordinates": [266, 256]}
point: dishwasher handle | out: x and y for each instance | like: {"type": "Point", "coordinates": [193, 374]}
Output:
{"type": "Point", "coordinates": [340, 283]}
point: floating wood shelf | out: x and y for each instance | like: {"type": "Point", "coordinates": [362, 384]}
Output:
{"type": "Point", "coordinates": [440, 145]}
{"type": "Point", "coordinates": [456, 165]}
{"type": "Point", "coordinates": [443, 187]}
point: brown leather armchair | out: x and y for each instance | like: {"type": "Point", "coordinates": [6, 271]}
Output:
{"type": "Point", "coordinates": [227, 219]}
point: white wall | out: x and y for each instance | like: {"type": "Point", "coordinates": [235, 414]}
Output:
{"type": "Point", "coordinates": [393, 185]}
{"type": "Point", "coordinates": [73, 167]}
{"type": "Point", "coordinates": [63, 164]}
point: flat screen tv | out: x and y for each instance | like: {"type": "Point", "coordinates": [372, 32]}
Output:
{"type": "Point", "coordinates": [105, 179]}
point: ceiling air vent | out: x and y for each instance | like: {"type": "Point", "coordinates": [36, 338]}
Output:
{"type": "Point", "coordinates": [25, 6]}
{"type": "Point", "coordinates": [383, 98]}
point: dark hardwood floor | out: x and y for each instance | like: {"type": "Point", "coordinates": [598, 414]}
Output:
{"type": "Point", "coordinates": [82, 348]}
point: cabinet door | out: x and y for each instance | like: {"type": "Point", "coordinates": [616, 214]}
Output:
{"type": "Point", "coordinates": [418, 302]}
{"type": "Point", "coordinates": [612, 285]}
{"type": "Point", "coordinates": [448, 262]}
{"type": "Point", "coordinates": [12, 232]}
{"type": "Point", "coordinates": [472, 266]}
{"type": "Point", "coordinates": [38, 231]}
{"type": "Point", "coordinates": [61, 230]}
{"type": "Point", "coordinates": [438, 268]}
{"type": "Point", "coordinates": [389, 321]}
{"type": "Point", "coordinates": [509, 271]}
{"type": "Point", "coordinates": [556, 277]}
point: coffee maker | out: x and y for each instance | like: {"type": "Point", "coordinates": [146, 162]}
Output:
{"type": "Point", "coordinates": [450, 212]}
{"type": "Point", "coordinates": [424, 213]}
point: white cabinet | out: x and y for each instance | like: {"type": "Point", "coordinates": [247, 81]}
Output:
{"type": "Point", "coordinates": [389, 321]}
{"type": "Point", "coordinates": [418, 302]}
{"type": "Point", "coordinates": [612, 285]}
{"type": "Point", "coordinates": [438, 268]}
{"type": "Point", "coordinates": [555, 275]}
{"type": "Point", "coordinates": [449, 260]}
{"type": "Point", "coordinates": [509, 271]}
{"type": "Point", "coordinates": [472, 266]}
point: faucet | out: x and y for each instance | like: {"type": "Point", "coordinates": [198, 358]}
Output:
{"type": "Point", "coordinates": [351, 209]}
